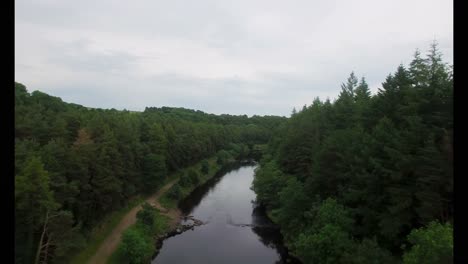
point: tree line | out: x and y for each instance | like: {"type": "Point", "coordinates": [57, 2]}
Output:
{"type": "Point", "coordinates": [74, 165]}
{"type": "Point", "coordinates": [368, 178]}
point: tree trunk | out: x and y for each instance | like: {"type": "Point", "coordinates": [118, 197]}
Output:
{"type": "Point", "coordinates": [47, 249]}
{"type": "Point", "coordinates": [44, 230]}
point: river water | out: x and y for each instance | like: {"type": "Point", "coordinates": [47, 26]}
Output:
{"type": "Point", "coordinates": [236, 229]}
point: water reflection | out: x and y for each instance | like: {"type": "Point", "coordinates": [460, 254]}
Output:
{"type": "Point", "coordinates": [238, 230]}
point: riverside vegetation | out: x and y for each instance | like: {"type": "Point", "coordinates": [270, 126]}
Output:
{"type": "Point", "coordinates": [74, 166]}
{"type": "Point", "coordinates": [364, 179]}
{"type": "Point", "coordinates": [368, 179]}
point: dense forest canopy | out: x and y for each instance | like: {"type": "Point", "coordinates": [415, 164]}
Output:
{"type": "Point", "coordinates": [363, 179]}
{"type": "Point", "coordinates": [74, 165]}
{"type": "Point", "coordinates": [368, 178]}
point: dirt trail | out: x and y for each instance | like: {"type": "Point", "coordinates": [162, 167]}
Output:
{"type": "Point", "coordinates": [109, 245]}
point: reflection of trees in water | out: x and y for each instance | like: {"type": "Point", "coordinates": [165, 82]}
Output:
{"type": "Point", "coordinates": [259, 217]}
{"type": "Point", "coordinates": [272, 238]}
{"type": "Point", "coordinates": [262, 226]}
{"type": "Point", "coordinates": [269, 234]}
{"type": "Point", "coordinates": [194, 199]}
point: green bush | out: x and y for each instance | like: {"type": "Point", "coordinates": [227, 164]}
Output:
{"type": "Point", "coordinates": [193, 176]}
{"type": "Point", "coordinates": [205, 167]}
{"type": "Point", "coordinates": [222, 157]}
{"type": "Point", "coordinates": [175, 192]}
{"type": "Point", "coordinates": [135, 246]}
{"type": "Point", "coordinates": [146, 215]}
{"type": "Point", "coordinates": [328, 239]}
{"type": "Point", "coordinates": [329, 245]}
{"type": "Point", "coordinates": [431, 244]}
{"type": "Point", "coordinates": [368, 251]}
{"type": "Point", "coordinates": [184, 180]}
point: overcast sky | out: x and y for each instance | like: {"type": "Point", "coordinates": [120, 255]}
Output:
{"type": "Point", "coordinates": [236, 57]}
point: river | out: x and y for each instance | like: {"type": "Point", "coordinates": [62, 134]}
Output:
{"type": "Point", "coordinates": [236, 229]}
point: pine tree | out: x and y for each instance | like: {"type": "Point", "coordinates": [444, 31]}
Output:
{"type": "Point", "coordinates": [350, 85]}
{"type": "Point", "coordinates": [362, 92]}
{"type": "Point", "coordinates": [344, 105]}
{"type": "Point", "coordinates": [33, 199]}
{"type": "Point", "coordinates": [362, 97]}
{"type": "Point", "coordinates": [294, 112]}
{"type": "Point", "coordinates": [419, 70]}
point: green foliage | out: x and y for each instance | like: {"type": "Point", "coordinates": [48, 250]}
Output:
{"type": "Point", "coordinates": [63, 235]}
{"type": "Point", "coordinates": [146, 215]}
{"type": "Point", "coordinates": [222, 157]}
{"type": "Point", "coordinates": [327, 238]}
{"type": "Point", "coordinates": [154, 171]}
{"type": "Point", "coordinates": [185, 180]}
{"type": "Point", "coordinates": [90, 162]}
{"type": "Point", "coordinates": [329, 245]}
{"type": "Point", "coordinates": [99, 234]}
{"type": "Point", "coordinates": [368, 251]}
{"type": "Point", "coordinates": [138, 241]}
{"type": "Point", "coordinates": [175, 192]}
{"type": "Point", "coordinates": [135, 246]}
{"type": "Point", "coordinates": [333, 213]}
{"type": "Point", "coordinates": [268, 181]}
{"type": "Point", "coordinates": [292, 203]}
{"type": "Point", "coordinates": [386, 158]}
{"type": "Point", "coordinates": [193, 176]}
{"type": "Point", "coordinates": [430, 244]}
{"type": "Point", "coordinates": [32, 192]}
{"type": "Point", "coordinates": [257, 151]}
{"type": "Point", "coordinates": [205, 167]}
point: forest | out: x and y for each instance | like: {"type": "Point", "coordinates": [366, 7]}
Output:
{"type": "Point", "coordinates": [368, 178]}
{"type": "Point", "coordinates": [74, 165]}
{"type": "Point", "coordinates": [365, 178]}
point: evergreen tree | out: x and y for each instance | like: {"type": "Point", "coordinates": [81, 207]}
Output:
{"type": "Point", "coordinates": [33, 200]}
{"type": "Point", "coordinates": [387, 159]}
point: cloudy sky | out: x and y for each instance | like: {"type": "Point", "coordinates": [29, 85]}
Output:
{"type": "Point", "coordinates": [236, 57]}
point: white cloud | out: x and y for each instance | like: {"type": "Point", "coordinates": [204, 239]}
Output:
{"type": "Point", "coordinates": [253, 57]}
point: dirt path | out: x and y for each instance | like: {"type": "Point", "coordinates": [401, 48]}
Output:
{"type": "Point", "coordinates": [109, 245]}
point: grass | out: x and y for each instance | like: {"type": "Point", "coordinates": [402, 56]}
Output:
{"type": "Point", "coordinates": [103, 230]}
{"type": "Point", "coordinates": [117, 257]}
{"type": "Point", "coordinates": [106, 226]}
{"type": "Point", "coordinates": [167, 202]}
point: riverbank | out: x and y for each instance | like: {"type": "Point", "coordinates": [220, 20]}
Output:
{"type": "Point", "coordinates": [110, 244]}
{"type": "Point", "coordinates": [105, 239]}
{"type": "Point", "coordinates": [166, 203]}
{"type": "Point", "coordinates": [234, 228]}
{"type": "Point", "coordinates": [172, 204]}
{"type": "Point", "coordinates": [177, 215]}
{"type": "Point", "coordinates": [103, 230]}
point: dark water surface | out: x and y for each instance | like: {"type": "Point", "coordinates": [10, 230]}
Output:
{"type": "Point", "coordinates": [236, 229]}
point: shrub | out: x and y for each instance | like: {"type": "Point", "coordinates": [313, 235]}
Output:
{"type": "Point", "coordinates": [184, 180]}
{"type": "Point", "coordinates": [431, 244]}
{"type": "Point", "coordinates": [205, 167]}
{"type": "Point", "coordinates": [175, 192]}
{"type": "Point", "coordinates": [135, 246]}
{"type": "Point", "coordinates": [193, 176]}
{"type": "Point", "coordinates": [146, 215]}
